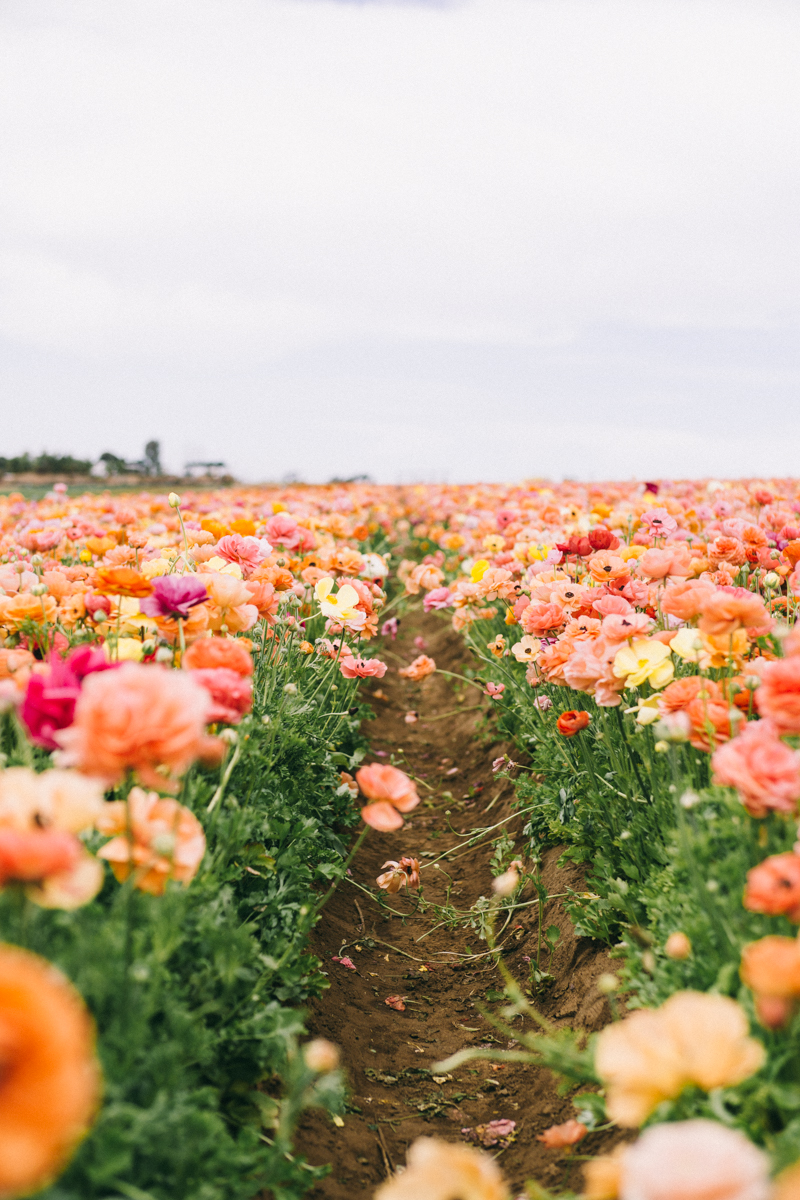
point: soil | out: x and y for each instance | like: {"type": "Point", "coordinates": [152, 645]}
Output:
{"type": "Point", "coordinates": [442, 974]}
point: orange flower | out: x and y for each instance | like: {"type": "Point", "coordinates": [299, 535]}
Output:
{"type": "Point", "coordinates": [779, 694]}
{"type": "Point", "coordinates": [711, 721]}
{"type": "Point", "coordinates": [771, 967]}
{"type": "Point", "coordinates": [121, 581]}
{"type": "Point", "coordinates": [207, 653]}
{"type": "Point", "coordinates": [50, 1083]}
{"type": "Point", "coordinates": [16, 610]}
{"type": "Point", "coordinates": [557, 1137]}
{"type": "Point", "coordinates": [439, 1170]}
{"type": "Point", "coordinates": [157, 839]}
{"type": "Point", "coordinates": [606, 566]}
{"type": "Point", "coordinates": [678, 695]}
{"type": "Point", "coordinates": [138, 718]}
{"type": "Point", "coordinates": [774, 886]}
{"type": "Point", "coordinates": [392, 793]}
{"type": "Point", "coordinates": [571, 722]}
{"type": "Point", "coordinates": [602, 1176]}
{"type": "Point", "coordinates": [420, 668]}
{"type": "Point", "coordinates": [725, 612]}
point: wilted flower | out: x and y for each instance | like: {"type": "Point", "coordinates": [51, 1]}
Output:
{"type": "Point", "coordinates": [401, 874]}
{"type": "Point", "coordinates": [558, 1137]}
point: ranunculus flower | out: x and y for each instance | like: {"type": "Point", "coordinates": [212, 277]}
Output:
{"type": "Point", "coordinates": [174, 595]}
{"type": "Point", "coordinates": [362, 668]}
{"type": "Point", "coordinates": [644, 659]}
{"type": "Point", "coordinates": [694, 1160]}
{"type": "Point", "coordinates": [137, 718]}
{"type": "Point", "coordinates": [121, 581]}
{"type": "Point", "coordinates": [440, 1170]}
{"type": "Point", "coordinates": [542, 618]}
{"type": "Point", "coordinates": [231, 693]}
{"type": "Point", "coordinates": [247, 552]}
{"type": "Point", "coordinates": [774, 886]}
{"type": "Point", "coordinates": [211, 652]}
{"type": "Point", "coordinates": [50, 1085]}
{"type": "Point", "coordinates": [157, 840]}
{"type": "Point", "coordinates": [762, 768]}
{"type": "Point", "coordinates": [572, 722]}
{"type": "Point", "coordinates": [653, 1054]}
{"type": "Point", "coordinates": [341, 607]}
{"type": "Point", "coordinates": [391, 793]}
{"type": "Point", "coordinates": [779, 695]}
{"type": "Point", "coordinates": [51, 696]}
{"type": "Point", "coordinates": [404, 873]}
{"type": "Point", "coordinates": [725, 612]}
{"type": "Point", "coordinates": [420, 668]}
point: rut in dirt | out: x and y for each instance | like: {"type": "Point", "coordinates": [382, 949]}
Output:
{"type": "Point", "coordinates": [440, 973]}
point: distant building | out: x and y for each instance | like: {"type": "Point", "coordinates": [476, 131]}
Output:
{"type": "Point", "coordinates": [205, 470]}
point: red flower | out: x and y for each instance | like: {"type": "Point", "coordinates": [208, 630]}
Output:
{"type": "Point", "coordinates": [603, 539]}
{"type": "Point", "coordinates": [580, 546]}
{"type": "Point", "coordinates": [570, 723]}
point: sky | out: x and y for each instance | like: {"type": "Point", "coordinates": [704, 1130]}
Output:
{"type": "Point", "coordinates": [467, 240]}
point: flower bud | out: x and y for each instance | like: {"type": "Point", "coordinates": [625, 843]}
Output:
{"type": "Point", "coordinates": [174, 500]}
{"type": "Point", "coordinates": [607, 983]}
{"type": "Point", "coordinates": [39, 589]}
{"type": "Point", "coordinates": [772, 581]}
{"type": "Point", "coordinates": [321, 1056]}
{"type": "Point", "coordinates": [677, 946]}
{"type": "Point", "coordinates": [164, 654]}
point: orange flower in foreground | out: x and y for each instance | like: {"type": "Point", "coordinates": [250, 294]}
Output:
{"type": "Point", "coordinates": [16, 610]}
{"type": "Point", "coordinates": [207, 653]}
{"type": "Point", "coordinates": [678, 695]}
{"type": "Point", "coordinates": [779, 694]}
{"type": "Point", "coordinates": [420, 668]}
{"type": "Point", "coordinates": [724, 613]}
{"type": "Point", "coordinates": [571, 722]}
{"type": "Point", "coordinates": [391, 793]}
{"type": "Point", "coordinates": [774, 886]}
{"type": "Point", "coordinates": [50, 1082]}
{"type": "Point", "coordinates": [439, 1170]}
{"type": "Point", "coordinates": [138, 718]}
{"type": "Point", "coordinates": [121, 581]}
{"type": "Point", "coordinates": [157, 839]}
{"type": "Point", "coordinates": [557, 1137]}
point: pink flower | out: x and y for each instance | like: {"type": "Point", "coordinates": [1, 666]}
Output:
{"type": "Point", "coordinates": [283, 530]}
{"type": "Point", "coordinates": [607, 605]}
{"type": "Point", "coordinates": [248, 552]}
{"type": "Point", "coordinates": [495, 689]}
{"type": "Point", "coordinates": [231, 693]}
{"type": "Point", "coordinates": [659, 523]}
{"type": "Point", "coordinates": [762, 768]}
{"type": "Point", "coordinates": [362, 668]}
{"type": "Point", "coordinates": [50, 698]}
{"type": "Point", "coordinates": [389, 628]}
{"type": "Point", "coordinates": [173, 596]}
{"type": "Point", "coordinates": [618, 627]}
{"type": "Point", "coordinates": [779, 695]}
{"type": "Point", "coordinates": [392, 793]}
{"type": "Point", "coordinates": [539, 618]}
{"type": "Point", "coordinates": [344, 962]}
{"type": "Point", "coordinates": [694, 1160]}
{"type": "Point", "coordinates": [437, 598]}
{"type": "Point", "coordinates": [673, 561]}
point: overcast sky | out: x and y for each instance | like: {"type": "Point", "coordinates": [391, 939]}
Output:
{"type": "Point", "coordinates": [486, 239]}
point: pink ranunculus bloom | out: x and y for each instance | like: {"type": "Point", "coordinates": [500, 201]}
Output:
{"type": "Point", "coordinates": [391, 792]}
{"type": "Point", "coordinates": [658, 522]}
{"type": "Point", "coordinates": [762, 768]}
{"type": "Point", "coordinates": [362, 668]}
{"type": "Point", "coordinates": [139, 718]}
{"type": "Point", "coordinates": [389, 628]}
{"type": "Point", "coordinates": [618, 627]}
{"type": "Point", "coordinates": [694, 1160]}
{"type": "Point", "coordinates": [173, 596]}
{"type": "Point", "coordinates": [283, 530]}
{"type": "Point", "coordinates": [50, 697]}
{"type": "Point", "coordinates": [436, 599]}
{"type": "Point", "coordinates": [247, 552]}
{"type": "Point", "coordinates": [607, 605]}
{"type": "Point", "coordinates": [672, 561]}
{"type": "Point", "coordinates": [539, 618]}
{"type": "Point", "coordinates": [495, 689]}
{"type": "Point", "coordinates": [636, 591]}
{"type": "Point", "coordinates": [231, 693]}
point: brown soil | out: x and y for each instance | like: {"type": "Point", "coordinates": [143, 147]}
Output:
{"type": "Point", "coordinates": [440, 974]}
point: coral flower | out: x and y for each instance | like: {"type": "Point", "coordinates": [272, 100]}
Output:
{"type": "Point", "coordinates": [710, 721]}
{"type": "Point", "coordinates": [424, 577]}
{"type": "Point", "coordinates": [678, 695]}
{"type": "Point", "coordinates": [211, 652]}
{"type": "Point", "coordinates": [156, 839]}
{"type": "Point", "coordinates": [362, 668]}
{"type": "Point", "coordinates": [33, 855]}
{"type": "Point", "coordinates": [174, 595]}
{"type": "Point", "coordinates": [774, 886]}
{"type": "Point", "coordinates": [420, 668]}
{"type": "Point", "coordinates": [557, 1137]}
{"type": "Point", "coordinates": [771, 967]}
{"type": "Point", "coordinates": [686, 600]}
{"type": "Point", "coordinates": [439, 1170]}
{"type": "Point", "coordinates": [762, 768]}
{"type": "Point", "coordinates": [231, 693]}
{"type": "Point", "coordinates": [570, 723]}
{"type": "Point", "coordinates": [652, 1055]}
{"type": "Point", "coordinates": [139, 718]}
{"type": "Point", "coordinates": [644, 659]}
{"type": "Point", "coordinates": [541, 618]}
{"type": "Point", "coordinates": [247, 552]}
{"type": "Point", "coordinates": [779, 695]}
{"type": "Point", "coordinates": [404, 873]}
{"type": "Point", "coordinates": [391, 793]}
{"type": "Point", "coordinates": [605, 566]}
{"type": "Point", "coordinates": [725, 612]}
{"type": "Point", "coordinates": [121, 581]}
{"type": "Point", "coordinates": [50, 1081]}
{"type": "Point", "coordinates": [694, 1160]}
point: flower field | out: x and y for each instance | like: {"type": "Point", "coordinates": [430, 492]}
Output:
{"type": "Point", "coordinates": [433, 841]}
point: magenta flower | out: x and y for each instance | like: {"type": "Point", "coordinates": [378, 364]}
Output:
{"type": "Point", "coordinates": [173, 596]}
{"type": "Point", "coordinates": [49, 702]}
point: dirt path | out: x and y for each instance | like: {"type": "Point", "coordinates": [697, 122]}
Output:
{"type": "Point", "coordinates": [387, 1054]}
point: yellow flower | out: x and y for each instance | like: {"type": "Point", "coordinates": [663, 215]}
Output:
{"type": "Point", "coordinates": [687, 644]}
{"type": "Point", "coordinates": [494, 543]}
{"type": "Point", "coordinates": [340, 608]}
{"type": "Point", "coordinates": [223, 567]}
{"type": "Point", "coordinates": [156, 566]}
{"type": "Point", "coordinates": [694, 1038]}
{"type": "Point", "coordinates": [628, 552]}
{"type": "Point", "coordinates": [128, 649]}
{"type": "Point", "coordinates": [722, 648]}
{"type": "Point", "coordinates": [644, 659]}
{"type": "Point", "coordinates": [646, 711]}
{"type": "Point", "coordinates": [537, 552]}
{"type": "Point", "coordinates": [479, 569]}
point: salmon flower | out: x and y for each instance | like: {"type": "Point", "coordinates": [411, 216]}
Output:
{"type": "Point", "coordinates": [404, 873]}
{"type": "Point", "coordinates": [391, 793]}
{"type": "Point", "coordinates": [644, 660]}
{"type": "Point", "coordinates": [572, 722]}
{"type": "Point", "coordinates": [774, 886]}
{"type": "Point", "coordinates": [559, 1137]}
{"type": "Point", "coordinates": [694, 1160]}
{"type": "Point", "coordinates": [121, 581]}
{"type": "Point", "coordinates": [779, 695]}
{"type": "Point", "coordinates": [653, 1054]}
{"type": "Point", "coordinates": [762, 768]}
{"type": "Point", "coordinates": [138, 718]}
{"type": "Point", "coordinates": [362, 668]}
{"type": "Point", "coordinates": [50, 1085]}
{"type": "Point", "coordinates": [420, 668]}
{"type": "Point", "coordinates": [212, 652]}
{"type": "Point", "coordinates": [231, 694]}
{"type": "Point", "coordinates": [156, 839]}
{"type": "Point", "coordinates": [341, 607]}
{"type": "Point", "coordinates": [725, 612]}
{"type": "Point", "coordinates": [440, 1170]}
{"type": "Point", "coordinates": [770, 967]}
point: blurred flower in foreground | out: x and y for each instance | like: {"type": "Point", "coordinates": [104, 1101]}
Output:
{"type": "Point", "coordinates": [50, 1082]}
{"type": "Point", "coordinates": [391, 793]}
{"type": "Point", "coordinates": [420, 668]}
{"type": "Point", "coordinates": [653, 1054]}
{"type": "Point", "coordinates": [156, 839]}
{"type": "Point", "coordinates": [693, 1160]}
{"type": "Point", "coordinates": [437, 1170]}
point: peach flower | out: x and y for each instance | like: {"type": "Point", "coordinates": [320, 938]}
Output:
{"type": "Point", "coordinates": [156, 839]}
{"type": "Point", "coordinates": [771, 967]}
{"type": "Point", "coordinates": [16, 610]}
{"type": "Point", "coordinates": [762, 768]}
{"type": "Point", "coordinates": [779, 695]}
{"type": "Point", "coordinates": [678, 695]}
{"type": "Point", "coordinates": [440, 1170]}
{"type": "Point", "coordinates": [653, 1054]}
{"type": "Point", "coordinates": [137, 718]}
{"type": "Point", "coordinates": [50, 1084]}
{"type": "Point", "coordinates": [420, 668]}
{"type": "Point", "coordinates": [557, 1137]}
{"type": "Point", "coordinates": [391, 793]}
{"type": "Point", "coordinates": [694, 1160]}
{"type": "Point", "coordinates": [541, 618]}
{"type": "Point", "coordinates": [774, 886]}
{"type": "Point", "coordinates": [686, 600]}
{"type": "Point", "coordinates": [213, 652]}
{"type": "Point", "coordinates": [710, 720]}
{"type": "Point", "coordinates": [672, 561]}
{"type": "Point", "coordinates": [725, 612]}
{"type": "Point", "coordinates": [605, 566]}
{"type": "Point", "coordinates": [617, 627]}
{"type": "Point", "coordinates": [423, 577]}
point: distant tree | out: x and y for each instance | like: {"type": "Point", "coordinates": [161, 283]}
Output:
{"type": "Point", "coordinates": [45, 464]}
{"type": "Point", "coordinates": [114, 464]}
{"type": "Point", "coordinates": [152, 458]}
